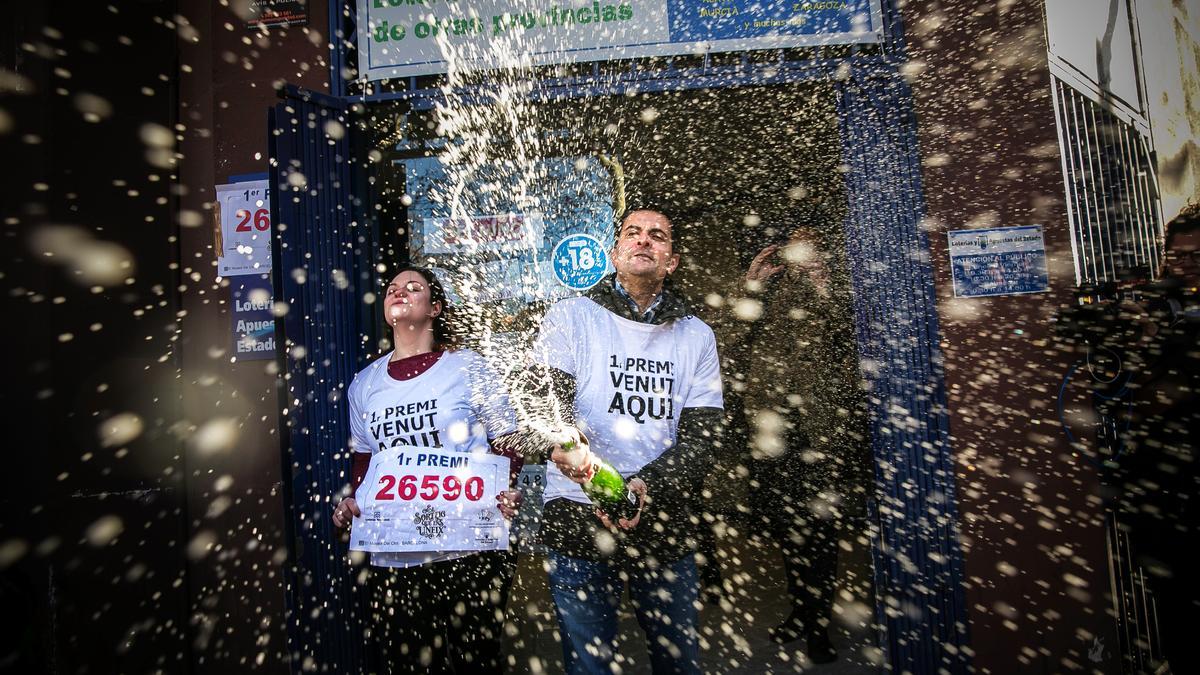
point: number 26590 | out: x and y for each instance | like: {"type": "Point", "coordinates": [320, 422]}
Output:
{"type": "Point", "coordinates": [406, 488]}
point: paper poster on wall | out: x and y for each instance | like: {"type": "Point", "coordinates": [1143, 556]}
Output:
{"type": "Point", "coordinates": [401, 38]}
{"type": "Point", "coordinates": [243, 228]}
{"type": "Point", "coordinates": [998, 261]}
{"type": "Point", "coordinates": [270, 13]}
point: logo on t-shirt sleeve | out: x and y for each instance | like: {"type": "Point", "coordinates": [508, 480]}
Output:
{"type": "Point", "coordinates": [407, 424]}
{"type": "Point", "coordinates": [642, 388]}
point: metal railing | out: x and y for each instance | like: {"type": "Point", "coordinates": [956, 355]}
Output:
{"type": "Point", "coordinates": [1134, 603]}
{"type": "Point", "coordinates": [1111, 190]}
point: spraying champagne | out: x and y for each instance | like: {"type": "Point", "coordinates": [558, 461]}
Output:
{"type": "Point", "coordinates": [605, 486]}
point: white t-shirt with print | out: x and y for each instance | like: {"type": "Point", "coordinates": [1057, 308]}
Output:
{"type": "Point", "coordinates": [457, 404]}
{"type": "Point", "coordinates": [632, 381]}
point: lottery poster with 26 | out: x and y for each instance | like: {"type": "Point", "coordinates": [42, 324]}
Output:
{"type": "Point", "coordinates": [243, 234]}
{"type": "Point", "coordinates": [427, 499]}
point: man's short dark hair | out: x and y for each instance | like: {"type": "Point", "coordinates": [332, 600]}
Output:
{"type": "Point", "coordinates": [653, 208]}
{"type": "Point", "coordinates": [1186, 222]}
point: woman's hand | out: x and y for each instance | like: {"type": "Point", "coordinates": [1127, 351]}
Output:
{"type": "Point", "coordinates": [346, 511]}
{"type": "Point", "coordinates": [761, 270]}
{"type": "Point", "coordinates": [509, 502]}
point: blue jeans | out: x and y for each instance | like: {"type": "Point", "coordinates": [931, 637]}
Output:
{"type": "Point", "coordinates": [586, 596]}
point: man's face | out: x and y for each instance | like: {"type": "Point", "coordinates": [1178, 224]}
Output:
{"type": "Point", "coordinates": [643, 247]}
{"type": "Point", "coordinates": [1183, 258]}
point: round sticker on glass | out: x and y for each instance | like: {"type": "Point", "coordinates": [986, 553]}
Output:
{"type": "Point", "coordinates": [579, 261]}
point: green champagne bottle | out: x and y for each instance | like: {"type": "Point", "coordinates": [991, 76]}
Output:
{"type": "Point", "coordinates": [606, 488]}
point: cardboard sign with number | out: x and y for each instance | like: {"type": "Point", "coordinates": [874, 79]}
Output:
{"type": "Point", "coordinates": [427, 499]}
{"type": "Point", "coordinates": [243, 239]}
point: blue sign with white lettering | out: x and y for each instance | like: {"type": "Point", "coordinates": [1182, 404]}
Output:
{"type": "Point", "coordinates": [580, 261]}
{"type": "Point", "coordinates": [998, 261]}
{"type": "Point", "coordinates": [833, 20]}
{"type": "Point", "coordinates": [252, 321]}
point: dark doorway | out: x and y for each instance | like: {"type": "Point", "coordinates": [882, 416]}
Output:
{"type": "Point", "coordinates": [737, 168]}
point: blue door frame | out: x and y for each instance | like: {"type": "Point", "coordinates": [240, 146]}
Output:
{"type": "Point", "coordinates": [914, 522]}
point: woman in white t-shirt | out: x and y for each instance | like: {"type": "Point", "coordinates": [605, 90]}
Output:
{"type": "Point", "coordinates": [434, 611]}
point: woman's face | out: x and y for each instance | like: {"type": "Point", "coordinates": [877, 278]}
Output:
{"type": "Point", "coordinates": [407, 300]}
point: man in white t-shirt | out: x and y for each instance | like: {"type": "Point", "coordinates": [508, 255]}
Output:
{"type": "Point", "coordinates": [639, 376]}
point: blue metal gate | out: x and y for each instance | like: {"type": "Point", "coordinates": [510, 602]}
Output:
{"type": "Point", "coordinates": [323, 254]}
{"type": "Point", "coordinates": [918, 560]}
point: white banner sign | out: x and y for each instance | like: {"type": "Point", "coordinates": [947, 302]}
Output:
{"type": "Point", "coordinates": [243, 239]}
{"type": "Point", "coordinates": [400, 38]}
{"type": "Point", "coordinates": [427, 499]}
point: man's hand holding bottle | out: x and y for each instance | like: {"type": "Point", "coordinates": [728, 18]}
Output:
{"type": "Point", "coordinates": [601, 482]}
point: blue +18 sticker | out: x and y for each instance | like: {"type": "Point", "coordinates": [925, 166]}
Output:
{"type": "Point", "coordinates": [579, 261]}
